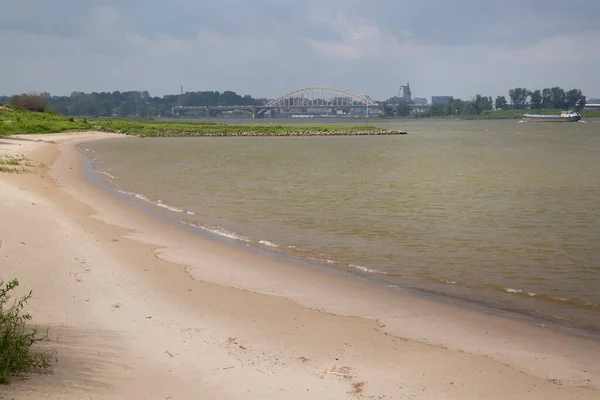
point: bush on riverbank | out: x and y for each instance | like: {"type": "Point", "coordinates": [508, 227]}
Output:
{"type": "Point", "coordinates": [16, 338]}
{"type": "Point", "coordinates": [18, 121]}
{"type": "Point", "coordinates": [14, 121]}
{"type": "Point", "coordinates": [31, 101]}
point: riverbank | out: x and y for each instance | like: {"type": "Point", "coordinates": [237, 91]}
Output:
{"type": "Point", "coordinates": [17, 121]}
{"type": "Point", "coordinates": [129, 320]}
{"type": "Point", "coordinates": [497, 114]}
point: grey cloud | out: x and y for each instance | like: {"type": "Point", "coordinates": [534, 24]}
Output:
{"type": "Point", "coordinates": [266, 47]}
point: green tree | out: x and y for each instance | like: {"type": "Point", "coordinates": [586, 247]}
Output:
{"type": "Point", "coordinates": [61, 109]}
{"type": "Point", "coordinates": [514, 97]}
{"type": "Point", "coordinates": [437, 110]}
{"type": "Point", "coordinates": [546, 98]}
{"type": "Point", "coordinates": [580, 103]}
{"type": "Point", "coordinates": [104, 108]}
{"type": "Point", "coordinates": [142, 109]}
{"type": "Point", "coordinates": [32, 101]}
{"type": "Point", "coordinates": [518, 97]}
{"type": "Point", "coordinates": [558, 97]}
{"type": "Point", "coordinates": [481, 103]}
{"type": "Point", "coordinates": [536, 99]}
{"type": "Point", "coordinates": [126, 109]}
{"type": "Point", "coordinates": [456, 107]}
{"type": "Point", "coordinates": [467, 108]}
{"type": "Point", "coordinates": [500, 103]}
{"type": "Point", "coordinates": [573, 98]}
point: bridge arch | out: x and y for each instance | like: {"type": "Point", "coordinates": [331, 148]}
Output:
{"type": "Point", "coordinates": [320, 96]}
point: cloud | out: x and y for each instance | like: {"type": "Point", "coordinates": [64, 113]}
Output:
{"type": "Point", "coordinates": [268, 47]}
{"type": "Point", "coordinates": [356, 39]}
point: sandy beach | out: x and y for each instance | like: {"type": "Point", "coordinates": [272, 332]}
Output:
{"type": "Point", "coordinates": [139, 309]}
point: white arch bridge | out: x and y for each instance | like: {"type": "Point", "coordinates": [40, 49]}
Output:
{"type": "Point", "coordinates": [320, 97]}
{"type": "Point", "coordinates": [300, 101]}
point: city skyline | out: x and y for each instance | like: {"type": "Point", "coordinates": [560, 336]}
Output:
{"type": "Point", "coordinates": [271, 47]}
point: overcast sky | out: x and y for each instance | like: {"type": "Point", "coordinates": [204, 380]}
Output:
{"type": "Point", "coordinates": [269, 47]}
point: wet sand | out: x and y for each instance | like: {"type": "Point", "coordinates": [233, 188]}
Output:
{"type": "Point", "coordinates": [140, 309]}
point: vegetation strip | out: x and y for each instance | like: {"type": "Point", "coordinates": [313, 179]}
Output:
{"type": "Point", "coordinates": [141, 104]}
{"type": "Point", "coordinates": [19, 121]}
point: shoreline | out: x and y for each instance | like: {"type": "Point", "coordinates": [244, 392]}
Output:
{"type": "Point", "coordinates": [246, 296]}
{"type": "Point", "coordinates": [170, 214]}
{"type": "Point", "coordinates": [535, 308]}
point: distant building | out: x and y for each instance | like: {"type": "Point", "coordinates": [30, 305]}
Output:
{"type": "Point", "coordinates": [420, 101]}
{"type": "Point", "coordinates": [592, 105]}
{"type": "Point", "coordinates": [405, 94]}
{"type": "Point", "coordinates": [441, 99]}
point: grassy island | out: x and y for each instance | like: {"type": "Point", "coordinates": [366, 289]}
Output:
{"type": "Point", "coordinates": [18, 121]}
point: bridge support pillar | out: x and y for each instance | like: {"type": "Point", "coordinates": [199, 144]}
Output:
{"type": "Point", "coordinates": [207, 112]}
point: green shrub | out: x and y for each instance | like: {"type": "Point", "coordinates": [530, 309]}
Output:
{"type": "Point", "coordinates": [16, 338]}
{"type": "Point", "coordinates": [31, 101]}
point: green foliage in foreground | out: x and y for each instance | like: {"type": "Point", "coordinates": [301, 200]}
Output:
{"type": "Point", "coordinates": [16, 338]}
{"type": "Point", "coordinates": [14, 121]}
{"type": "Point", "coordinates": [17, 121]}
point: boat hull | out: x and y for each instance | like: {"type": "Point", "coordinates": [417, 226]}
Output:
{"type": "Point", "coordinates": [550, 118]}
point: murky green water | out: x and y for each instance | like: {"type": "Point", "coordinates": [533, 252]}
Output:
{"type": "Point", "coordinates": [497, 212]}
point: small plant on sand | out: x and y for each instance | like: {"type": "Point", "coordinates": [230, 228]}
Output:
{"type": "Point", "coordinates": [16, 338]}
{"type": "Point", "coordinates": [14, 163]}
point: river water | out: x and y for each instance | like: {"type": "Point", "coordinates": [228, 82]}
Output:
{"type": "Point", "coordinates": [498, 213]}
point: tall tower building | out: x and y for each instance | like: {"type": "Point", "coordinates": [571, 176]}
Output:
{"type": "Point", "coordinates": [405, 94]}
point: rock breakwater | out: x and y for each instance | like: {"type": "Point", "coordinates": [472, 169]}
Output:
{"type": "Point", "coordinates": [308, 132]}
{"type": "Point", "coordinates": [343, 132]}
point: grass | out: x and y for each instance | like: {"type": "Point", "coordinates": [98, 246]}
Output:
{"type": "Point", "coordinates": [16, 338]}
{"type": "Point", "coordinates": [590, 114]}
{"type": "Point", "coordinates": [15, 163]}
{"type": "Point", "coordinates": [17, 121]}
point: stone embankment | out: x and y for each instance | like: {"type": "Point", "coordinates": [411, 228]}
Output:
{"type": "Point", "coordinates": [344, 132]}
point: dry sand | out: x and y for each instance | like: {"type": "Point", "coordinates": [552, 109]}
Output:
{"type": "Point", "coordinates": [138, 309]}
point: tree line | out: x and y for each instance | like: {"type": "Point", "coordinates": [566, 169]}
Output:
{"type": "Point", "coordinates": [141, 104]}
{"type": "Point", "coordinates": [549, 98]}
{"type": "Point", "coordinates": [520, 98]}
{"type": "Point", "coordinates": [125, 104]}
{"type": "Point", "coordinates": [452, 107]}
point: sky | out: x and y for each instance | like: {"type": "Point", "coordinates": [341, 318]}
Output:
{"type": "Point", "coordinates": [269, 47]}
